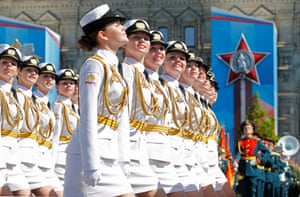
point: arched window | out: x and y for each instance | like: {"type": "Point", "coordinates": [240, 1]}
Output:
{"type": "Point", "coordinates": [165, 32]}
{"type": "Point", "coordinates": [189, 36]}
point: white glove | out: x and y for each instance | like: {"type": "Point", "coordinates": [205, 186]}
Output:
{"type": "Point", "coordinates": [286, 169]}
{"type": "Point", "coordinates": [125, 168]}
{"type": "Point", "coordinates": [253, 162]}
{"type": "Point", "coordinates": [91, 177]}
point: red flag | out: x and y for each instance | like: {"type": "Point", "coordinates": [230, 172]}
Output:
{"type": "Point", "coordinates": [227, 148]}
{"type": "Point", "coordinates": [222, 143]}
{"type": "Point", "coordinates": [229, 173]}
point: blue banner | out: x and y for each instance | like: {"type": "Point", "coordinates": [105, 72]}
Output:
{"type": "Point", "coordinates": [244, 60]}
{"type": "Point", "coordinates": [44, 42]}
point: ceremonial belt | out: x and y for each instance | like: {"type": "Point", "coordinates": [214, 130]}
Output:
{"type": "Point", "coordinates": [107, 121]}
{"type": "Point", "coordinates": [188, 134]}
{"type": "Point", "coordinates": [137, 124]}
{"type": "Point", "coordinates": [65, 138]}
{"type": "Point", "coordinates": [248, 158]}
{"type": "Point", "coordinates": [26, 134]}
{"type": "Point", "coordinates": [10, 133]}
{"type": "Point", "coordinates": [260, 167]}
{"type": "Point", "coordinates": [174, 131]}
{"type": "Point", "coordinates": [44, 142]}
{"type": "Point", "coordinates": [268, 169]}
{"type": "Point", "coordinates": [212, 138]}
{"type": "Point", "coordinates": [169, 131]}
{"type": "Point", "coordinates": [195, 137]}
{"type": "Point", "coordinates": [202, 139]}
{"type": "Point", "coordinates": [156, 128]}
{"type": "Point", "coordinates": [182, 133]}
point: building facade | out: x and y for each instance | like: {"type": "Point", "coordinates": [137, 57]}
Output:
{"type": "Point", "coordinates": [180, 19]}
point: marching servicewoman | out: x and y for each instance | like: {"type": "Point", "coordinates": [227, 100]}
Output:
{"type": "Point", "coordinates": [44, 85]}
{"type": "Point", "coordinates": [11, 121]}
{"type": "Point", "coordinates": [174, 65]}
{"type": "Point", "coordinates": [222, 186]}
{"type": "Point", "coordinates": [187, 78]}
{"type": "Point", "coordinates": [66, 119]}
{"type": "Point", "coordinates": [207, 181]}
{"type": "Point", "coordinates": [142, 105]}
{"type": "Point", "coordinates": [157, 138]}
{"type": "Point", "coordinates": [98, 154]}
{"type": "Point", "coordinates": [28, 143]}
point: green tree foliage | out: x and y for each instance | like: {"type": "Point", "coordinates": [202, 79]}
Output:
{"type": "Point", "coordinates": [265, 125]}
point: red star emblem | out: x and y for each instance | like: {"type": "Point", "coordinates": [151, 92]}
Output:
{"type": "Point", "coordinates": [242, 62]}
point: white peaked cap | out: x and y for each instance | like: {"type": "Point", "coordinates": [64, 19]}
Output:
{"type": "Point", "coordinates": [94, 14]}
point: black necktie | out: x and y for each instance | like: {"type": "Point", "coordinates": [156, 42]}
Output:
{"type": "Point", "coordinates": [49, 105]}
{"type": "Point", "coordinates": [182, 90]}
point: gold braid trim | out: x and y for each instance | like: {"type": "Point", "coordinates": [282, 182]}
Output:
{"type": "Point", "coordinates": [65, 113]}
{"type": "Point", "coordinates": [43, 107]}
{"type": "Point", "coordinates": [193, 104]}
{"type": "Point", "coordinates": [203, 121]}
{"type": "Point", "coordinates": [239, 148]}
{"type": "Point", "coordinates": [216, 128]}
{"type": "Point", "coordinates": [141, 82]}
{"type": "Point", "coordinates": [175, 110]}
{"type": "Point", "coordinates": [12, 121]}
{"type": "Point", "coordinates": [66, 121]}
{"type": "Point", "coordinates": [162, 111]}
{"type": "Point", "coordinates": [47, 131]}
{"type": "Point", "coordinates": [206, 124]}
{"type": "Point", "coordinates": [123, 98]}
{"type": "Point", "coordinates": [29, 106]}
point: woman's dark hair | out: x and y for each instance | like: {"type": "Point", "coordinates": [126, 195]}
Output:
{"type": "Point", "coordinates": [88, 42]}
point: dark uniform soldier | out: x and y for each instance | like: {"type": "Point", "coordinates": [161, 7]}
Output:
{"type": "Point", "coordinates": [262, 158]}
{"type": "Point", "coordinates": [268, 170]}
{"type": "Point", "coordinates": [277, 169]}
{"type": "Point", "coordinates": [250, 148]}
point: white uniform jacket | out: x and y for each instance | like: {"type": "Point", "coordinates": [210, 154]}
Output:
{"type": "Point", "coordinates": [45, 133]}
{"type": "Point", "coordinates": [102, 133]}
{"type": "Point", "coordinates": [140, 94]}
{"type": "Point", "coordinates": [28, 133]}
{"type": "Point", "coordinates": [178, 119]}
{"type": "Point", "coordinates": [193, 125]}
{"type": "Point", "coordinates": [66, 122]}
{"type": "Point", "coordinates": [9, 128]}
{"type": "Point", "coordinates": [159, 143]}
{"type": "Point", "coordinates": [212, 144]}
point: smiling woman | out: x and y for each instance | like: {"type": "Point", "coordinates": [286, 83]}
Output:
{"type": "Point", "coordinates": [157, 138]}
{"type": "Point", "coordinates": [144, 104]}
{"type": "Point", "coordinates": [44, 84]}
{"type": "Point", "coordinates": [174, 66]}
{"type": "Point", "coordinates": [15, 182]}
{"type": "Point", "coordinates": [28, 143]}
